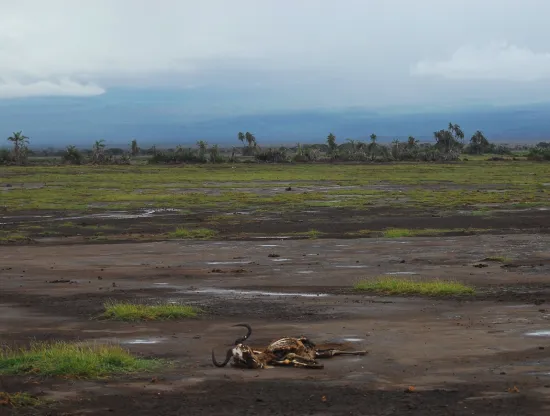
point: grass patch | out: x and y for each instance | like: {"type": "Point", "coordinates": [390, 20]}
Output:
{"type": "Point", "coordinates": [198, 233]}
{"type": "Point", "coordinates": [71, 360]}
{"type": "Point", "coordinates": [81, 187]}
{"type": "Point", "coordinates": [395, 286]}
{"type": "Point", "coordinates": [500, 259]}
{"type": "Point", "coordinates": [140, 312]}
{"type": "Point", "coordinates": [19, 399]}
{"type": "Point", "coordinates": [7, 237]}
{"type": "Point", "coordinates": [313, 234]}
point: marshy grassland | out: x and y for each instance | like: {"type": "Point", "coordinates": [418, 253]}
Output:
{"type": "Point", "coordinates": [220, 200]}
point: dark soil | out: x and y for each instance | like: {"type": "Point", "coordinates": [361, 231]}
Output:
{"type": "Point", "coordinates": [331, 222]}
{"type": "Point", "coordinates": [463, 355]}
{"type": "Point", "coordinates": [307, 398]}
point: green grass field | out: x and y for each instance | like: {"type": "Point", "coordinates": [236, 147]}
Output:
{"type": "Point", "coordinates": [221, 187]}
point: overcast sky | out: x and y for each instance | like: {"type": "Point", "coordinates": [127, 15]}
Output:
{"type": "Point", "coordinates": [297, 53]}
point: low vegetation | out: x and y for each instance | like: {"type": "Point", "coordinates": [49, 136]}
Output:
{"type": "Point", "coordinates": [448, 145]}
{"type": "Point", "coordinates": [195, 233]}
{"type": "Point", "coordinates": [498, 259]}
{"type": "Point", "coordinates": [221, 189]}
{"type": "Point", "coordinates": [71, 360]}
{"type": "Point", "coordinates": [19, 399]}
{"type": "Point", "coordinates": [140, 312]}
{"type": "Point", "coordinates": [400, 286]}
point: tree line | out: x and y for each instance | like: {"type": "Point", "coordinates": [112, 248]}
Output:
{"type": "Point", "coordinates": [448, 145]}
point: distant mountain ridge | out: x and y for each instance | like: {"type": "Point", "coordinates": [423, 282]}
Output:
{"type": "Point", "coordinates": [163, 120]}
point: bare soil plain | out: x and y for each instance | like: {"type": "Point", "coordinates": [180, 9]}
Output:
{"type": "Point", "coordinates": [286, 263]}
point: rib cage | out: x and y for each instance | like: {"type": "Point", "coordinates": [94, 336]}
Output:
{"type": "Point", "coordinates": [297, 352]}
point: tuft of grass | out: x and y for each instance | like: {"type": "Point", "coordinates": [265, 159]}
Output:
{"type": "Point", "coordinates": [198, 233]}
{"type": "Point", "coordinates": [313, 234]}
{"type": "Point", "coordinates": [500, 259]}
{"type": "Point", "coordinates": [71, 360]}
{"type": "Point", "coordinates": [396, 286]}
{"type": "Point", "coordinates": [140, 312]}
{"type": "Point", "coordinates": [7, 237]}
{"type": "Point", "coordinates": [20, 399]}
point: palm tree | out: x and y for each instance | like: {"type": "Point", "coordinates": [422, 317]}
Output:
{"type": "Point", "coordinates": [214, 154]}
{"type": "Point", "coordinates": [479, 143]}
{"type": "Point", "coordinates": [373, 146]}
{"type": "Point", "coordinates": [20, 148]}
{"type": "Point", "coordinates": [412, 142]}
{"type": "Point", "coordinates": [240, 136]}
{"type": "Point", "coordinates": [134, 147]}
{"type": "Point", "coordinates": [72, 155]}
{"type": "Point", "coordinates": [203, 147]}
{"type": "Point", "coordinates": [98, 151]}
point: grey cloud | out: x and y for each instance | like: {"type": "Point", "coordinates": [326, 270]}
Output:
{"type": "Point", "coordinates": [307, 53]}
{"type": "Point", "coordinates": [494, 61]}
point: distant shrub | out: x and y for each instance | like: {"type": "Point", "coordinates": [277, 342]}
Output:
{"type": "Point", "coordinates": [539, 153]}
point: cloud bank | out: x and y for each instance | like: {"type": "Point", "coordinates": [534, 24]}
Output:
{"type": "Point", "coordinates": [493, 61]}
{"type": "Point", "coordinates": [306, 53]}
{"type": "Point", "coordinates": [63, 87]}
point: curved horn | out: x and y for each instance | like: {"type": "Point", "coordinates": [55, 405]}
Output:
{"type": "Point", "coordinates": [239, 340]}
{"type": "Point", "coordinates": [227, 358]}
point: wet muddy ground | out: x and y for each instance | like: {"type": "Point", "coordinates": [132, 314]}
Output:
{"type": "Point", "coordinates": [487, 354]}
{"type": "Point", "coordinates": [62, 228]}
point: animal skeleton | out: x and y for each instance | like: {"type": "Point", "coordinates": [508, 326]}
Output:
{"type": "Point", "coordinates": [287, 351]}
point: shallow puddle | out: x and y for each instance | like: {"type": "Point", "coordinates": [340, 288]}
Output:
{"type": "Point", "coordinates": [398, 273]}
{"type": "Point", "coordinates": [223, 292]}
{"type": "Point", "coordinates": [273, 237]}
{"type": "Point", "coordinates": [142, 341]}
{"type": "Point", "coordinates": [280, 259]}
{"type": "Point", "coordinates": [540, 333]}
{"type": "Point", "coordinates": [305, 271]}
{"type": "Point", "coordinates": [106, 215]}
{"type": "Point", "coordinates": [351, 266]}
{"type": "Point", "coordinates": [227, 262]}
